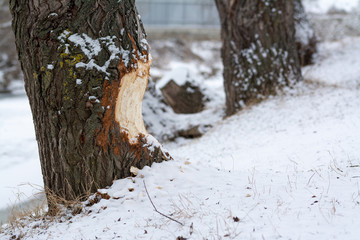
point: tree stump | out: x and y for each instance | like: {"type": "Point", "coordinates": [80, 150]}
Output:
{"type": "Point", "coordinates": [186, 98]}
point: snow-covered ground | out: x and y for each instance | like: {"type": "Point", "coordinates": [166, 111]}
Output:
{"type": "Point", "coordinates": [287, 168]}
{"type": "Point", "coordinates": [19, 159]}
{"type": "Point", "coordinates": [324, 6]}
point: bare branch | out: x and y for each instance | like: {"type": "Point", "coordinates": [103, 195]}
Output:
{"type": "Point", "coordinates": [157, 210]}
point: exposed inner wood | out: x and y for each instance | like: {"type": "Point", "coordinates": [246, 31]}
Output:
{"type": "Point", "coordinates": [128, 108]}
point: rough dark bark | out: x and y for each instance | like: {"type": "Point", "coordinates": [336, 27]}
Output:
{"type": "Point", "coordinates": [306, 40]}
{"type": "Point", "coordinates": [259, 52]}
{"type": "Point", "coordinates": [85, 64]}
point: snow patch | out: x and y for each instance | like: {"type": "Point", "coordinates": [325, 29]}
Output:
{"type": "Point", "coordinates": [323, 6]}
{"type": "Point", "coordinates": [152, 143]}
{"type": "Point", "coordinates": [92, 48]}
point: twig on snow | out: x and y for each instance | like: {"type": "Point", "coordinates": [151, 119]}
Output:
{"type": "Point", "coordinates": [157, 210]}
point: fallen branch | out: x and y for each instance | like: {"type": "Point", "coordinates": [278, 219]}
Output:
{"type": "Point", "coordinates": [157, 210]}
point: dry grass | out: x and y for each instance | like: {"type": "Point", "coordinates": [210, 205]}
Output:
{"type": "Point", "coordinates": [185, 208]}
{"type": "Point", "coordinates": [58, 206]}
{"type": "Point", "coordinates": [36, 215]}
{"type": "Point", "coordinates": [36, 210]}
{"type": "Point", "coordinates": [23, 213]}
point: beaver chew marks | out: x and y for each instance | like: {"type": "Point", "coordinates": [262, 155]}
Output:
{"type": "Point", "coordinates": [128, 109]}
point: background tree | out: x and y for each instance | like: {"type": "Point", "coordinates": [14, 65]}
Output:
{"type": "Point", "coordinates": [86, 65]}
{"type": "Point", "coordinates": [259, 52]}
{"type": "Point", "coordinates": [9, 65]}
{"type": "Point", "coordinates": [306, 40]}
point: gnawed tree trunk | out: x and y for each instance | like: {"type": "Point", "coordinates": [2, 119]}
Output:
{"type": "Point", "coordinates": [86, 65]}
{"type": "Point", "coordinates": [259, 52]}
{"type": "Point", "coordinates": [306, 40]}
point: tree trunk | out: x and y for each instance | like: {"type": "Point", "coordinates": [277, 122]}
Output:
{"type": "Point", "coordinates": [86, 66]}
{"type": "Point", "coordinates": [259, 52]}
{"type": "Point", "coordinates": [306, 40]}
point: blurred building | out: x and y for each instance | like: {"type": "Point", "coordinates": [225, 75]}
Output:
{"type": "Point", "coordinates": [173, 17]}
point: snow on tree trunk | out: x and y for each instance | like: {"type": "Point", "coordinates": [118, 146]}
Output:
{"type": "Point", "coordinates": [86, 66]}
{"type": "Point", "coordinates": [259, 53]}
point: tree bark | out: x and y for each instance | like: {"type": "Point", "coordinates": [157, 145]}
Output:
{"type": "Point", "coordinates": [86, 65]}
{"type": "Point", "coordinates": [259, 51]}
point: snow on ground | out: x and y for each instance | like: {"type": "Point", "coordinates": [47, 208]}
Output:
{"type": "Point", "coordinates": [334, 56]}
{"type": "Point", "coordinates": [288, 168]}
{"type": "Point", "coordinates": [163, 122]}
{"type": "Point", "coordinates": [19, 164]}
{"type": "Point", "coordinates": [324, 6]}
